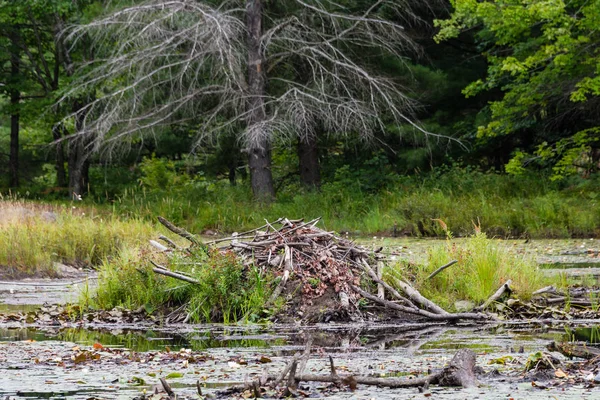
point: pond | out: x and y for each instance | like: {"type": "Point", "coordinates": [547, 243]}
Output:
{"type": "Point", "coordinates": [39, 361]}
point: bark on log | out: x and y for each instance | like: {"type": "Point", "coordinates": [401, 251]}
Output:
{"type": "Point", "coordinates": [460, 371]}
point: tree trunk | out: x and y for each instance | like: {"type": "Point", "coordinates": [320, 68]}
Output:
{"type": "Point", "coordinates": [15, 98]}
{"type": "Point", "coordinates": [308, 158]}
{"type": "Point", "coordinates": [61, 175]}
{"type": "Point", "coordinates": [259, 148]}
{"type": "Point", "coordinates": [78, 157]}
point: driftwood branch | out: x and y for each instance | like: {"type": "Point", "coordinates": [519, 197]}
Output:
{"type": "Point", "coordinates": [167, 387]}
{"type": "Point", "coordinates": [459, 372]}
{"type": "Point", "coordinates": [287, 270]}
{"type": "Point", "coordinates": [158, 246]}
{"type": "Point", "coordinates": [440, 269]}
{"type": "Point", "coordinates": [365, 265]}
{"type": "Point", "coordinates": [171, 243]}
{"type": "Point", "coordinates": [423, 313]}
{"type": "Point", "coordinates": [182, 232]}
{"type": "Point", "coordinates": [418, 298]}
{"type": "Point", "coordinates": [505, 288]}
{"type": "Point", "coordinates": [159, 269]}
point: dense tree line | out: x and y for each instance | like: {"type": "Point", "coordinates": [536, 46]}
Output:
{"type": "Point", "coordinates": [295, 89]}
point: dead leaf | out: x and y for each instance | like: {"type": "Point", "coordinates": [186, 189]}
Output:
{"type": "Point", "coordinates": [559, 373]}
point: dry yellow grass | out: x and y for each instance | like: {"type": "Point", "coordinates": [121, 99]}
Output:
{"type": "Point", "coordinates": [35, 236]}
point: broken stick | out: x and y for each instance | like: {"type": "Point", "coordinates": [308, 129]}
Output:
{"type": "Point", "coordinates": [159, 269]}
{"type": "Point", "coordinates": [182, 232]}
{"type": "Point", "coordinates": [418, 311]}
{"type": "Point", "coordinates": [440, 269]}
{"type": "Point", "coordinates": [505, 288]}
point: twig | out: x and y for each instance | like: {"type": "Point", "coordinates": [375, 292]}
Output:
{"type": "Point", "coordinates": [440, 269]}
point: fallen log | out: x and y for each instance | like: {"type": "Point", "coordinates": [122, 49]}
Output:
{"type": "Point", "coordinates": [574, 350]}
{"type": "Point", "coordinates": [423, 313]}
{"type": "Point", "coordinates": [459, 372]}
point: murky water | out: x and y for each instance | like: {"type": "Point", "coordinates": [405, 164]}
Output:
{"type": "Point", "coordinates": [31, 366]}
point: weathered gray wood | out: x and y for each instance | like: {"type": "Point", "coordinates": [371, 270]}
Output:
{"type": "Point", "coordinates": [365, 265]}
{"type": "Point", "coordinates": [505, 288]}
{"type": "Point", "coordinates": [460, 371]}
{"type": "Point", "coordinates": [418, 298]}
{"type": "Point", "coordinates": [287, 270]}
{"type": "Point", "coordinates": [159, 269]}
{"type": "Point", "coordinates": [181, 232]}
{"type": "Point", "coordinates": [423, 313]}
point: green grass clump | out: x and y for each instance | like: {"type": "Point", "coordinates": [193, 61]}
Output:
{"type": "Point", "coordinates": [481, 269]}
{"type": "Point", "coordinates": [506, 206]}
{"type": "Point", "coordinates": [36, 236]}
{"type": "Point", "coordinates": [226, 290]}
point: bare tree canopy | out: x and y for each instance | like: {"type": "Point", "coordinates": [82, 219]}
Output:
{"type": "Point", "coordinates": [170, 61]}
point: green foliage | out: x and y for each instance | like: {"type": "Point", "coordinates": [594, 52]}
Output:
{"type": "Point", "coordinates": [159, 173]}
{"type": "Point", "coordinates": [482, 267]}
{"type": "Point", "coordinates": [541, 56]}
{"type": "Point", "coordinates": [227, 291]}
{"type": "Point", "coordinates": [507, 206]}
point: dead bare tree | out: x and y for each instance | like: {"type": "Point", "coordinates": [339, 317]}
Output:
{"type": "Point", "coordinates": [273, 74]}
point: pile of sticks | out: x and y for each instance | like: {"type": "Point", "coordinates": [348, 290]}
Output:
{"type": "Point", "coordinates": [322, 262]}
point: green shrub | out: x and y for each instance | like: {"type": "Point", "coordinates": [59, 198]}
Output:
{"type": "Point", "coordinates": [226, 290]}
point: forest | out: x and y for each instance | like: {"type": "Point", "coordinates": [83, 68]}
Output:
{"type": "Point", "coordinates": [379, 115]}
